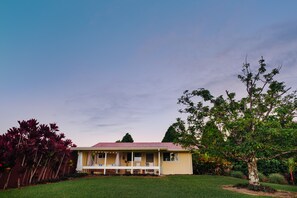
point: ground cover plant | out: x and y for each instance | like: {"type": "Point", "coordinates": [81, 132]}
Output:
{"type": "Point", "coordinates": [133, 186]}
{"type": "Point", "coordinates": [256, 188]}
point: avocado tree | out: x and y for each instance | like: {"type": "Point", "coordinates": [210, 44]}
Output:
{"type": "Point", "coordinates": [257, 126]}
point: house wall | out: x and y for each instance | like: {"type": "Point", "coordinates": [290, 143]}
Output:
{"type": "Point", "coordinates": [182, 166]}
{"type": "Point", "coordinates": [84, 158]}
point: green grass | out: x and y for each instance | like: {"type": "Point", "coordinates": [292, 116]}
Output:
{"type": "Point", "coordinates": [128, 186]}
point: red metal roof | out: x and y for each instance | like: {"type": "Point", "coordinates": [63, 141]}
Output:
{"type": "Point", "coordinates": [135, 145]}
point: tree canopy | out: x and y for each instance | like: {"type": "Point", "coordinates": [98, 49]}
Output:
{"type": "Point", "coordinates": [170, 135]}
{"type": "Point", "coordinates": [258, 126]}
{"type": "Point", "coordinates": [127, 138]}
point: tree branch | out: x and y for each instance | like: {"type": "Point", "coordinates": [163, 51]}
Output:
{"type": "Point", "coordinates": [278, 155]}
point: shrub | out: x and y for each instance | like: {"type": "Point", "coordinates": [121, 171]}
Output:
{"type": "Point", "coordinates": [237, 174]}
{"type": "Point", "coordinates": [205, 164]}
{"type": "Point", "coordinates": [262, 177]}
{"type": "Point", "coordinates": [240, 166]}
{"type": "Point", "coordinates": [272, 166]}
{"type": "Point", "coordinates": [277, 178]}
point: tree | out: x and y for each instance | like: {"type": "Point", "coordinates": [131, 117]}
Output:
{"type": "Point", "coordinates": [35, 148]}
{"type": "Point", "coordinates": [254, 127]}
{"type": "Point", "coordinates": [127, 138]}
{"type": "Point", "coordinates": [170, 135]}
{"type": "Point", "coordinates": [291, 166]}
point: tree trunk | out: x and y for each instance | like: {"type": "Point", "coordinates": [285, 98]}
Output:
{"type": "Point", "coordinates": [24, 177]}
{"type": "Point", "coordinates": [33, 171]}
{"type": "Point", "coordinates": [64, 168]}
{"type": "Point", "coordinates": [253, 172]}
{"type": "Point", "coordinates": [292, 177]}
{"type": "Point", "coordinates": [7, 180]}
{"type": "Point", "coordinates": [19, 175]}
{"type": "Point", "coordinates": [42, 170]}
{"type": "Point", "coordinates": [44, 176]}
{"type": "Point", "coordinates": [59, 166]}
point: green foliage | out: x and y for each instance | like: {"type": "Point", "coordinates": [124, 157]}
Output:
{"type": "Point", "coordinates": [205, 164]}
{"type": "Point", "coordinates": [257, 126]}
{"type": "Point", "coordinates": [240, 166]}
{"type": "Point", "coordinates": [237, 174]}
{"type": "Point", "coordinates": [291, 164]}
{"type": "Point", "coordinates": [211, 139]}
{"type": "Point", "coordinates": [272, 166]}
{"type": "Point", "coordinates": [291, 168]}
{"type": "Point", "coordinates": [277, 178]}
{"type": "Point", "coordinates": [262, 177]}
{"type": "Point", "coordinates": [171, 135]}
{"type": "Point", "coordinates": [127, 138]}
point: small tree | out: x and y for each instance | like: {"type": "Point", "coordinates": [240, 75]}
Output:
{"type": "Point", "coordinates": [291, 166]}
{"type": "Point", "coordinates": [127, 138]}
{"type": "Point", "coordinates": [170, 135]}
{"type": "Point", "coordinates": [255, 127]}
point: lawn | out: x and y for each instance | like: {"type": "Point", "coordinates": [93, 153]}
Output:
{"type": "Point", "coordinates": [134, 186]}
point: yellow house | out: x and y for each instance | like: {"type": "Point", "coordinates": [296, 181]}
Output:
{"type": "Point", "coordinates": [134, 158]}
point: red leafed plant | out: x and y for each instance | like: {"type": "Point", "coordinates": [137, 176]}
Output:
{"type": "Point", "coordinates": [33, 152]}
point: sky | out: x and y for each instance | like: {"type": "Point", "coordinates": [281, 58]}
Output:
{"type": "Point", "coordinates": [100, 69]}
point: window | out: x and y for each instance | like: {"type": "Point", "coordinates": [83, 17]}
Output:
{"type": "Point", "coordinates": [129, 157]}
{"type": "Point", "coordinates": [149, 157]}
{"type": "Point", "coordinates": [101, 155]}
{"type": "Point", "coordinates": [137, 157]}
{"type": "Point", "coordinates": [170, 157]}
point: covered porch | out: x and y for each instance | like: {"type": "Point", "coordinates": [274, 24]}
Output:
{"type": "Point", "coordinates": [119, 162]}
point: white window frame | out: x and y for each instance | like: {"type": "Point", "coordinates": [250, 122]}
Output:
{"type": "Point", "coordinates": [173, 157]}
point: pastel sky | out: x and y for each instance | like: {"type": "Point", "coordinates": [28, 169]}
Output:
{"type": "Point", "coordinates": [100, 69]}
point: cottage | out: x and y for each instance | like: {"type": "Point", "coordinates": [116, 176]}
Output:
{"type": "Point", "coordinates": [134, 158]}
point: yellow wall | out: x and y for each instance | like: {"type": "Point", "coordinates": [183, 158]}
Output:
{"type": "Point", "coordinates": [85, 158]}
{"type": "Point", "coordinates": [182, 166]}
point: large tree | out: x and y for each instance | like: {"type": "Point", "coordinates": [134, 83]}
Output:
{"type": "Point", "coordinates": [256, 125]}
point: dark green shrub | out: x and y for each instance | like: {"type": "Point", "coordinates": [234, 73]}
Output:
{"type": "Point", "coordinates": [277, 178]}
{"type": "Point", "coordinates": [240, 166]}
{"type": "Point", "coordinates": [272, 166]}
{"type": "Point", "coordinates": [237, 174]}
{"type": "Point", "coordinates": [205, 164]}
{"type": "Point", "coordinates": [262, 177]}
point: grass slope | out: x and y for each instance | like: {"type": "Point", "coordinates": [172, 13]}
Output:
{"type": "Point", "coordinates": [121, 186]}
